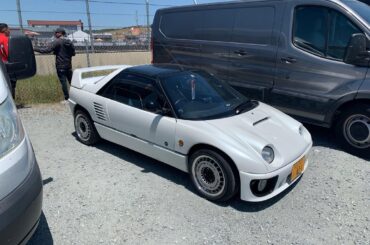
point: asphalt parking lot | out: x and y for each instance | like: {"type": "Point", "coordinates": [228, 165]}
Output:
{"type": "Point", "coordinates": [111, 195]}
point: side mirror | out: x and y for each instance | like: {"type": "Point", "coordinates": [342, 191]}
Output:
{"type": "Point", "coordinates": [356, 52]}
{"type": "Point", "coordinates": [21, 62]}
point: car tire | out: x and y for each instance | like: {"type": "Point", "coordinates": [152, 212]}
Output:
{"type": "Point", "coordinates": [85, 128]}
{"type": "Point", "coordinates": [353, 129]}
{"type": "Point", "coordinates": [212, 175]}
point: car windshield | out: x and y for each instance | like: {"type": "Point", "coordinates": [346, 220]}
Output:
{"type": "Point", "coordinates": [200, 96]}
{"type": "Point", "coordinates": [361, 9]}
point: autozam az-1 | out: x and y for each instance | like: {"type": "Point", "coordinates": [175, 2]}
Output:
{"type": "Point", "coordinates": [192, 121]}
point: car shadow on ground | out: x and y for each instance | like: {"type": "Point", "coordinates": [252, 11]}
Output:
{"type": "Point", "coordinates": [178, 177]}
{"type": "Point", "coordinates": [42, 234]}
{"type": "Point", "coordinates": [325, 137]}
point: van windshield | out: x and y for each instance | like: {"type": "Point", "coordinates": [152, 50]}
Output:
{"type": "Point", "coordinates": [200, 96]}
{"type": "Point", "coordinates": [361, 9]}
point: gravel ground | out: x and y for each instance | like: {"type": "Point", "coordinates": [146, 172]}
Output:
{"type": "Point", "coordinates": [111, 195]}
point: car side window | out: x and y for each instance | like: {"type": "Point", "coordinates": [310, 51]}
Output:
{"type": "Point", "coordinates": [322, 31]}
{"type": "Point", "coordinates": [254, 25]}
{"type": "Point", "coordinates": [123, 95]}
{"type": "Point", "coordinates": [135, 91]}
{"type": "Point", "coordinates": [340, 35]}
{"type": "Point", "coordinates": [310, 29]}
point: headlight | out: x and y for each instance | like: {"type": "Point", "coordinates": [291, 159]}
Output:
{"type": "Point", "coordinates": [11, 130]}
{"type": "Point", "coordinates": [268, 154]}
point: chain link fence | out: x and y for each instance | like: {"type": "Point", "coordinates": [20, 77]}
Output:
{"type": "Point", "coordinates": [113, 32]}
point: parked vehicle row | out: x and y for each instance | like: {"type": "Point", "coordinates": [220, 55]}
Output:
{"type": "Point", "coordinates": [308, 58]}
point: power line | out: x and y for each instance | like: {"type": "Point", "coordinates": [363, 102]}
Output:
{"type": "Point", "coordinates": [70, 12]}
{"type": "Point", "coordinates": [94, 26]}
{"type": "Point", "coordinates": [120, 3]}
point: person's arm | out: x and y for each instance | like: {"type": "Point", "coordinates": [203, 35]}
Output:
{"type": "Point", "coordinates": [49, 49]}
{"type": "Point", "coordinates": [73, 50]}
{"type": "Point", "coordinates": [4, 48]}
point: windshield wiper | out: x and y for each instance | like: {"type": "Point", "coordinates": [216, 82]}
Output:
{"type": "Point", "coordinates": [244, 106]}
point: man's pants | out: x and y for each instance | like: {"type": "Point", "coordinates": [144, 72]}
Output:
{"type": "Point", "coordinates": [13, 84]}
{"type": "Point", "coordinates": [65, 75]}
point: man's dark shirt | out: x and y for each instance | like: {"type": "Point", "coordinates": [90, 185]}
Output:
{"type": "Point", "coordinates": [63, 50]}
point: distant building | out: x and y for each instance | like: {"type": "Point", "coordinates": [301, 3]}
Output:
{"type": "Point", "coordinates": [103, 37]}
{"type": "Point", "coordinates": [79, 36]}
{"type": "Point", "coordinates": [46, 28]}
{"type": "Point", "coordinates": [17, 31]}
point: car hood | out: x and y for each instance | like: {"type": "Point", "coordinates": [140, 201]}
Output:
{"type": "Point", "coordinates": [264, 126]}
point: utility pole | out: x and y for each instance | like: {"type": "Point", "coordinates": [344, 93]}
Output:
{"type": "Point", "coordinates": [137, 18]}
{"type": "Point", "coordinates": [20, 15]}
{"type": "Point", "coordinates": [148, 23]}
{"type": "Point", "coordinates": [195, 1]}
{"type": "Point", "coordinates": [89, 22]}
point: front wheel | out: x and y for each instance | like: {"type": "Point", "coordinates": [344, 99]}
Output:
{"type": "Point", "coordinates": [212, 175]}
{"type": "Point", "coordinates": [353, 129]}
{"type": "Point", "coordinates": [85, 129]}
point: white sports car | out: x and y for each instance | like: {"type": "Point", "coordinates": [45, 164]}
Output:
{"type": "Point", "coordinates": [190, 120]}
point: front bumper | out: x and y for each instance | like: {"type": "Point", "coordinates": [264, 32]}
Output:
{"type": "Point", "coordinates": [282, 183]}
{"type": "Point", "coordinates": [20, 210]}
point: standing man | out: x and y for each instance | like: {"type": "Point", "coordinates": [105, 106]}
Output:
{"type": "Point", "coordinates": [4, 51]}
{"type": "Point", "coordinates": [64, 50]}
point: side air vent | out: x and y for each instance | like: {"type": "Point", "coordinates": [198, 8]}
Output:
{"type": "Point", "coordinates": [99, 111]}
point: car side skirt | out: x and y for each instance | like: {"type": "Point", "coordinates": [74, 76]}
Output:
{"type": "Point", "coordinates": [159, 153]}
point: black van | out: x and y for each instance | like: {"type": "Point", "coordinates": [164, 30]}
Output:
{"type": "Point", "coordinates": [309, 58]}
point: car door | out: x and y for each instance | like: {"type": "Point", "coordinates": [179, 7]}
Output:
{"type": "Point", "coordinates": [253, 48]}
{"type": "Point", "coordinates": [177, 40]}
{"type": "Point", "coordinates": [311, 74]}
{"type": "Point", "coordinates": [132, 101]}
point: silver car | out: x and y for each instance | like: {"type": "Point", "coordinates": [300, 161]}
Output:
{"type": "Point", "coordinates": [20, 178]}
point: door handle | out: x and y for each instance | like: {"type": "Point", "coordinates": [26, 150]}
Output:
{"type": "Point", "coordinates": [240, 52]}
{"type": "Point", "coordinates": [288, 60]}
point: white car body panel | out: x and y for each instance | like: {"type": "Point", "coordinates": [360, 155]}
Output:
{"type": "Point", "coordinates": [242, 137]}
{"type": "Point", "coordinates": [3, 88]}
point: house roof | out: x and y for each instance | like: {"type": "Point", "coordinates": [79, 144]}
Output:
{"type": "Point", "coordinates": [55, 22]}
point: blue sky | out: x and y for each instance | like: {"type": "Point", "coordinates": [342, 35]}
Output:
{"type": "Point", "coordinates": [104, 15]}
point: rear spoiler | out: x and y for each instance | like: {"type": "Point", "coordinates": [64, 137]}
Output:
{"type": "Point", "coordinates": [79, 82]}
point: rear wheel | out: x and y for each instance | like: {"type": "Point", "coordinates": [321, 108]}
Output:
{"type": "Point", "coordinates": [212, 175]}
{"type": "Point", "coordinates": [85, 129]}
{"type": "Point", "coordinates": [353, 129]}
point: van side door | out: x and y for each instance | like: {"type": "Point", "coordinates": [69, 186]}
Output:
{"type": "Point", "coordinates": [253, 48]}
{"type": "Point", "coordinates": [217, 27]}
{"type": "Point", "coordinates": [176, 38]}
{"type": "Point", "coordinates": [311, 73]}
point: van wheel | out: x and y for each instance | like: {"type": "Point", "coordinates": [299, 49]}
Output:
{"type": "Point", "coordinates": [85, 128]}
{"type": "Point", "coordinates": [212, 176]}
{"type": "Point", "coordinates": [353, 129]}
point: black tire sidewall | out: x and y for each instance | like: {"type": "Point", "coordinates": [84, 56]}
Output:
{"type": "Point", "coordinates": [230, 179]}
{"type": "Point", "coordinates": [93, 137]}
{"type": "Point", "coordinates": [359, 109]}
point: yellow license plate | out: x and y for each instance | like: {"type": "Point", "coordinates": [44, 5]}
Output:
{"type": "Point", "coordinates": [297, 169]}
